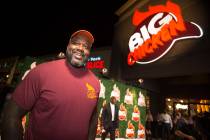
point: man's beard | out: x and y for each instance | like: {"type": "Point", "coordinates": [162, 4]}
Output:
{"type": "Point", "coordinates": [79, 64]}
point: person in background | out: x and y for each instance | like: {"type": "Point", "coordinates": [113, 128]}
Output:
{"type": "Point", "coordinates": [110, 119]}
{"type": "Point", "coordinates": [61, 96]}
{"type": "Point", "coordinates": [184, 131]}
{"type": "Point", "coordinates": [149, 120]}
{"type": "Point", "coordinates": [167, 125]}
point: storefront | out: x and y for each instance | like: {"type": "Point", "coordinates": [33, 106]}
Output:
{"type": "Point", "coordinates": [160, 42]}
{"type": "Point", "coordinates": [190, 106]}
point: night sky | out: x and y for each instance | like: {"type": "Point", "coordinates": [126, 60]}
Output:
{"type": "Point", "coordinates": [39, 28]}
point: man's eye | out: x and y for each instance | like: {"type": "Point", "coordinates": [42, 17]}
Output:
{"type": "Point", "coordinates": [78, 44]}
{"type": "Point", "coordinates": [85, 46]}
{"type": "Point", "coordinates": [75, 43]}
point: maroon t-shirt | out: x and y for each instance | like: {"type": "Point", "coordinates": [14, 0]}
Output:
{"type": "Point", "coordinates": [61, 100]}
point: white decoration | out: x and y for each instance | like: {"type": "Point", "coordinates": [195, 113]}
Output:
{"type": "Point", "coordinates": [102, 90]}
{"type": "Point", "coordinates": [141, 99]}
{"type": "Point", "coordinates": [128, 97]}
{"type": "Point", "coordinates": [116, 92]}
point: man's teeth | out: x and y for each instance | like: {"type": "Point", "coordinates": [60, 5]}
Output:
{"type": "Point", "coordinates": [78, 53]}
{"type": "Point", "coordinates": [79, 56]}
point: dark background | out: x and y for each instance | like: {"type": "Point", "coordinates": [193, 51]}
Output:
{"type": "Point", "coordinates": [44, 27]}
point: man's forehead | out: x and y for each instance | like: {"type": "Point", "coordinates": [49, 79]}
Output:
{"type": "Point", "coordinates": [81, 38]}
{"type": "Point", "coordinates": [113, 98]}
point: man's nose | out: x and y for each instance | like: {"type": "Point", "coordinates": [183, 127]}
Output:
{"type": "Point", "coordinates": [81, 47]}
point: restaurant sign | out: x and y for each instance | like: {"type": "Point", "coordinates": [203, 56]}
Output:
{"type": "Point", "coordinates": [157, 31]}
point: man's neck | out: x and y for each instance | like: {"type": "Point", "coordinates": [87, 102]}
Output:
{"type": "Point", "coordinates": [74, 66]}
{"type": "Point", "coordinates": [112, 103]}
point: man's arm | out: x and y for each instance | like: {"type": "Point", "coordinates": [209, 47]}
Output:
{"type": "Point", "coordinates": [183, 135]}
{"type": "Point", "coordinates": [93, 125]}
{"type": "Point", "coordinates": [117, 117]}
{"type": "Point", "coordinates": [12, 121]}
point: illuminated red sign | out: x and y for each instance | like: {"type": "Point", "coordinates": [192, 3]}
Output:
{"type": "Point", "coordinates": [95, 63]}
{"type": "Point", "coordinates": [157, 30]}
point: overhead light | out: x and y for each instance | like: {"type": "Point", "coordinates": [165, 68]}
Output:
{"type": "Point", "coordinates": [181, 106]}
{"type": "Point", "coordinates": [141, 80]}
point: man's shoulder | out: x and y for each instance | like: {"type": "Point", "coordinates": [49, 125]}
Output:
{"type": "Point", "coordinates": [94, 77]}
{"type": "Point", "coordinates": [107, 105]}
{"type": "Point", "coordinates": [117, 106]}
{"type": "Point", "coordinates": [49, 64]}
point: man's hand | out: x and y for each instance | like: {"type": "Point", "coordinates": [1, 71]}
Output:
{"type": "Point", "coordinates": [191, 138]}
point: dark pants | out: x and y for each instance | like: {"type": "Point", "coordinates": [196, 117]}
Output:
{"type": "Point", "coordinates": [166, 131]}
{"type": "Point", "coordinates": [111, 131]}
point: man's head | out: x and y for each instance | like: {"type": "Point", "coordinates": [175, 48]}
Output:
{"type": "Point", "coordinates": [78, 49]}
{"type": "Point", "coordinates": [113, 100]}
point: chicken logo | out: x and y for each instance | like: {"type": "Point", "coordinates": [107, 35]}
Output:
{"type": "Point", "coordinates": [116, 92]}
{"type": "Point", "coordinates": [130, 131]}
{"type": "Point", "coordinates": [157, 31]}
{"type": "Point", "coordinates": [128, 97]}
{"type": "Point", "coordinates": [141, 99]}
{"type": "Point", "coordinates": [141, 131]}
{"type": "Point", "coordinates": [91, 94]}
{"type": "Point", "coordinates": [102, 91]}
{"type": "Point", "coordinates": [122, 113]}
{"type": "Point", "coordinates": [136, 114]}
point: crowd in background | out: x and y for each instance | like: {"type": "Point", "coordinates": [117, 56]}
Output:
{"type": "Point", "coordinates": [180, 126]}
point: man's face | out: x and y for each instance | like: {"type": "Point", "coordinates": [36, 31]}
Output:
{"type": "Point", "coordinates": [78, 51]}
{"type": "Point", "coordinates": [113, 100]}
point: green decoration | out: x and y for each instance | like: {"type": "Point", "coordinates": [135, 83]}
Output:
{"type": "Point", "coordinates": [124, 89]}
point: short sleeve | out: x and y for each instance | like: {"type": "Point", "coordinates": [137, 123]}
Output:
{"type": "Point", "coordinates": [28, 90]}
